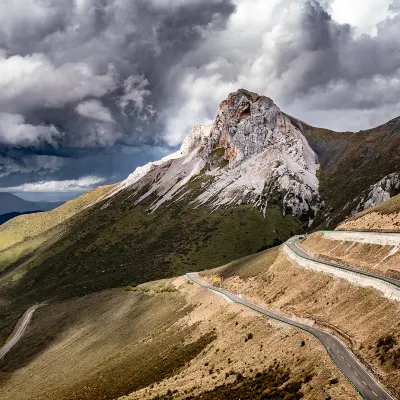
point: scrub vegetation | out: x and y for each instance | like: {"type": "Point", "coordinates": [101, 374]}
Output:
{"type": "Point", "coordinates": [119, 244]}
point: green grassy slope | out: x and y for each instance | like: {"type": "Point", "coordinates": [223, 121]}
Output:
{"type": "Point", "coordinates": [120, 245]}
{"type": "Point", "coordinates": [22, 235]}
{"type": "Point", "coordinates": [29, 226]}
{"type": "Point", "coordinates": [351, 162]}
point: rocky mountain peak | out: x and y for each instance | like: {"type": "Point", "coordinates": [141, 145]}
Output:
{"type": "Point", "coordinates": [253, 153]}
{"type": "Point", "coordinates": [245, 124]}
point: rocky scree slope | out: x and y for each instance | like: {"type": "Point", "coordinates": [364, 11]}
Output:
{"type": "Point", "coordinates": [252, 154]}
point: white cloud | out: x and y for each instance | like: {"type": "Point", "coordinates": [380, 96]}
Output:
{"type": "Point", "coordinates": [94, 109]}
{"type": "Point", "coordinates": [14, 131]}
{"type": "Point", "coordinates": [32, 80]}
{"type": "Point", "coordinates": [363, 15]}
{"type": "Point", "coordinates": [293, 52]}
{"type": "Point", "coordinates": [133, 101]}
{"type": "Point", "coordinates": [75, 185]}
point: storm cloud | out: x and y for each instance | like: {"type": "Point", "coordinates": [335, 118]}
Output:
{"type": "Point", "coordinates": [93, 88]}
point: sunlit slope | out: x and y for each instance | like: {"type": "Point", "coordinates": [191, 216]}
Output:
{"type": "Point", "coordinates": [25, 233]}
{"type": "Point", "coordinates": [28, 226]}
{"type": "Point", "coordinates": [362, 317]}
{"type": "Point", "coordinates": [384, 217]}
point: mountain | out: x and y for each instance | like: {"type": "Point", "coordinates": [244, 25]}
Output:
{"type": "Point", "coordinates": [358, 169]}
{"type": "Point", "coordinates": [252, 154]}
{"type": "Point", "coordinates": [11, 203]}
{"type": "Point", "coordinates": [245, 183]}
{"type": "Point", "coordinates": [114, 256]}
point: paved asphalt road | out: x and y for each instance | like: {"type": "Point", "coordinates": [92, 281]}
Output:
{"type": "Point", "coordinates": [23, 324]}
{"type": "Point", "coordinates": [364, 383]}
{"type": "Point", "coordinates": [292, 244]}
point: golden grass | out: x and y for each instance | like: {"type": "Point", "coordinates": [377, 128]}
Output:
{"type": "Point", "coordinates": [363, 256]}
{"type": "Point", "coordinates": [384, 217]}
{"type": "Point", "coordinates": [387, 207]}
{"type": "Point", "coordinates": [25, 227]}
{"type": "Point", "coordinates": [14, 253]}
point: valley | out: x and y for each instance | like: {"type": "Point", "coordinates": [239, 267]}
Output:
{"type": "Point", "coordinates": [244, 200]}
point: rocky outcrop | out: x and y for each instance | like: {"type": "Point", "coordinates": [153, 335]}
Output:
{"type": "Point", "coordinates": [383, 190]}
{"type": "Point", "coordinates": [269, 159]}
{"type": "Point", "coordinates": [253, 153]}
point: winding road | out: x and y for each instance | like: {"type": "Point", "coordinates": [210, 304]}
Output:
{"type": "Point", "coordinates": [292, 244]}
{"type": "Point", "coordinates": [16, 335]}
{"type": "Point", "coordinates": [368, 387]}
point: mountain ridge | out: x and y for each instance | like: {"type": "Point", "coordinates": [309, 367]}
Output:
{"type": "Point", "coordinates": [251, 154]}
{"type": "Point", "coordinates": [251, 180]}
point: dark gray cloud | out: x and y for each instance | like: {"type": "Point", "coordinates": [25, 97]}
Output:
{"type": "Point", "coordinates": [97, 87]}
{"type": "Point", "coordinates": [80, 79]}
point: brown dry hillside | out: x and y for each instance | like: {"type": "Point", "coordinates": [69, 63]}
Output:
{"type": "Point", "coordinates": [362, 317]}
{"type": "Point", "coordinates": [364, 256]}
{"type": "Point", "coordinates": [384, 217]}
{"type": "Point", "coordinates": [158, 338]}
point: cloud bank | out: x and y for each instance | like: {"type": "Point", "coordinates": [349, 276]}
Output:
{"type": "Point", "coordinates": [77, 185]}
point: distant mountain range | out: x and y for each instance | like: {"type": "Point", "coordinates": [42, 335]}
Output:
{"type": "Point", "coordinates": [10, 203]}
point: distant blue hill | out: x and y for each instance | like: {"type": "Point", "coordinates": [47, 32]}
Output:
{"type": "Point", "coordinates": [10, 203]}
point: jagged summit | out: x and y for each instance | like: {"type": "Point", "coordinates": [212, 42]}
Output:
{"type": "Point", "coordinates": [252, 154]}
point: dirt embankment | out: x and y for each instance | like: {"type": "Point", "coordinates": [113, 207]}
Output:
{"type": "Point", "coordinates": [384, 217]}
{"type": "Point", "coordinates": [361, 316]}
{"type": "Point", "coordinates": [364, 256]}
{"type": "Point", "coordinates": [373, 221]}
{"type": "Point", "coordinates": [166, 336]}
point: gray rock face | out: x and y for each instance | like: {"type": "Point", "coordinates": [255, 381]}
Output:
{"type": "Point", "coordinates": [244, 125]}
{"type": "Point", "coordinates": [252, 154]}
{"type": "Point", "coordinates": [383, 190]}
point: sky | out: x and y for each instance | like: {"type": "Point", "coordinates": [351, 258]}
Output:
{"type": "Point", "coordinates": [91, 89]}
